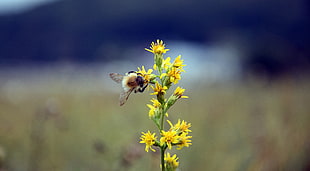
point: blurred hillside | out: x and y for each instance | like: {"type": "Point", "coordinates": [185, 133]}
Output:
{"type": "Point", "coordinates": [273, 34]}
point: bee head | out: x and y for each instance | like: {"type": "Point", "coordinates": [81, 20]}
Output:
{"type": "Point", "coordinates": [140, 81]}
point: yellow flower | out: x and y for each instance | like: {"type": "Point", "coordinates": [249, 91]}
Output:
{"type": "Point", "coordinates": [170, 137]}
{"type": "Point", "coordinates": [144, 74]}
{"type": "Point", "coordinates": [156, 103]}
{"type": "Point", "coordinates": [169, 122]}
{"type": "Point", "coordinates": [182, 126]}
{"type": "Point", "coordinates": [181, 129]}
{"type": "Point", "coordinates": [154, 107]}
{"type": "Point", "coordinates": [178, 63]}
{"type": "Point", "coordinates": [162, 75]}
{"type": "Point", "coordinates": [174, 75]}
{"type": "Point", "coordinates": [158, 47]}
{"type": "Point", "coordinates": [178, 92]}
{"type": "Point", "coordinates": [166, 63]}
{"type": "Point", "coordinates": [151, 111]}
{"type": "Point", "coordinates": [184, 141]}
{"type": "Point", "coordinates": [171, 161]}
{"type": "Point", "coordinates": [149, 140]}
{"type": "Point", "coordinates": [158, 89]}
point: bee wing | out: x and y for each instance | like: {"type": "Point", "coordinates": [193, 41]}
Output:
{"type": "Point", "coordinates": [124, 96]}
{"type": "Point", "coordinates": [116, 77]}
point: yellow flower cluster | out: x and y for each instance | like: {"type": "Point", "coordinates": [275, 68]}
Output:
{"type": "Point", "coordinates": [178, 135]}
{"type": "Point", "coordinates": [178, 92]}
{"type": "Point", "coordinates": [149, 140]}
{"type": "Point", "coordinates": [168, 138]}
{"type": "Point", "coordinates": [173, 70]}
{"type": "Point", "coordinates": [147, 75]}
{"type": "Point", "coordinates": [180, 127]}
{"type": "Point", "coordinates": [158, 47]}
{"type": "Point", "coordinates": [182, 130]}
{"type": "Point", "coordinates": [171, 162]}
{"type": "Point", "coordinates": [154, 108]}
{"type": "Point", "coordinates": [159, 89]}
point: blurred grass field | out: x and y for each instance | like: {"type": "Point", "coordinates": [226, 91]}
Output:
{"type": "Point", "coordinates": [52, 123]}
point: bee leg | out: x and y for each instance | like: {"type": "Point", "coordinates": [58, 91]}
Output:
{"type": "Point", "coordinates": [143, 88]}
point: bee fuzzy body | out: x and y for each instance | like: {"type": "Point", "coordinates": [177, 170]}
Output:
{"type": "Point", "coordinates": [132, 81]}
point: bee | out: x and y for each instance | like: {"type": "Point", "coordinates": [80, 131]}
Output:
{"type": "Point", "coordinates": [131, 82]}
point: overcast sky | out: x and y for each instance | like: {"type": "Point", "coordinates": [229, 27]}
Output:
{"type": "Point", "coordinates": [16, 6]}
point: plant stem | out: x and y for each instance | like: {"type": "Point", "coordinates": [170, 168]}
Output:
{"type": "Point", "coordinates": [162, 148]}
{"type": "Point", "coordinates": [162, 121]}
{"type": "Point", "coordinates": [161, 96]}
{"type": "Point", "coordinates": [162, 157]}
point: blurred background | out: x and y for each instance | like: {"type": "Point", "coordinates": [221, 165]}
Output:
{"type": "Point", "coordinates": [247, 77]}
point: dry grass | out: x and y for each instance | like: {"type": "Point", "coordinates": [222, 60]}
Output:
{"type": "Point", "coordinates": [60, 125]}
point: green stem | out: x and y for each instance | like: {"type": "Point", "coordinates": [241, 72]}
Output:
{"type": "Point", "coordinates": [161, 99]}
{"type": "Point", "coordinates": [162, 156]}
{"type": "Point", "coordinates": [162, 148]}
{"type": "Point", "coordinates": [162, 122]}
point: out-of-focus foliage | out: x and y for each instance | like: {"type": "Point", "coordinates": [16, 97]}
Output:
{"type": "Point", "coordinates": [75, 123]}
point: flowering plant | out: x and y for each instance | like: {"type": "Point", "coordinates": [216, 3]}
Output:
{"type": "Point", "coordinates": [168, 73]}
